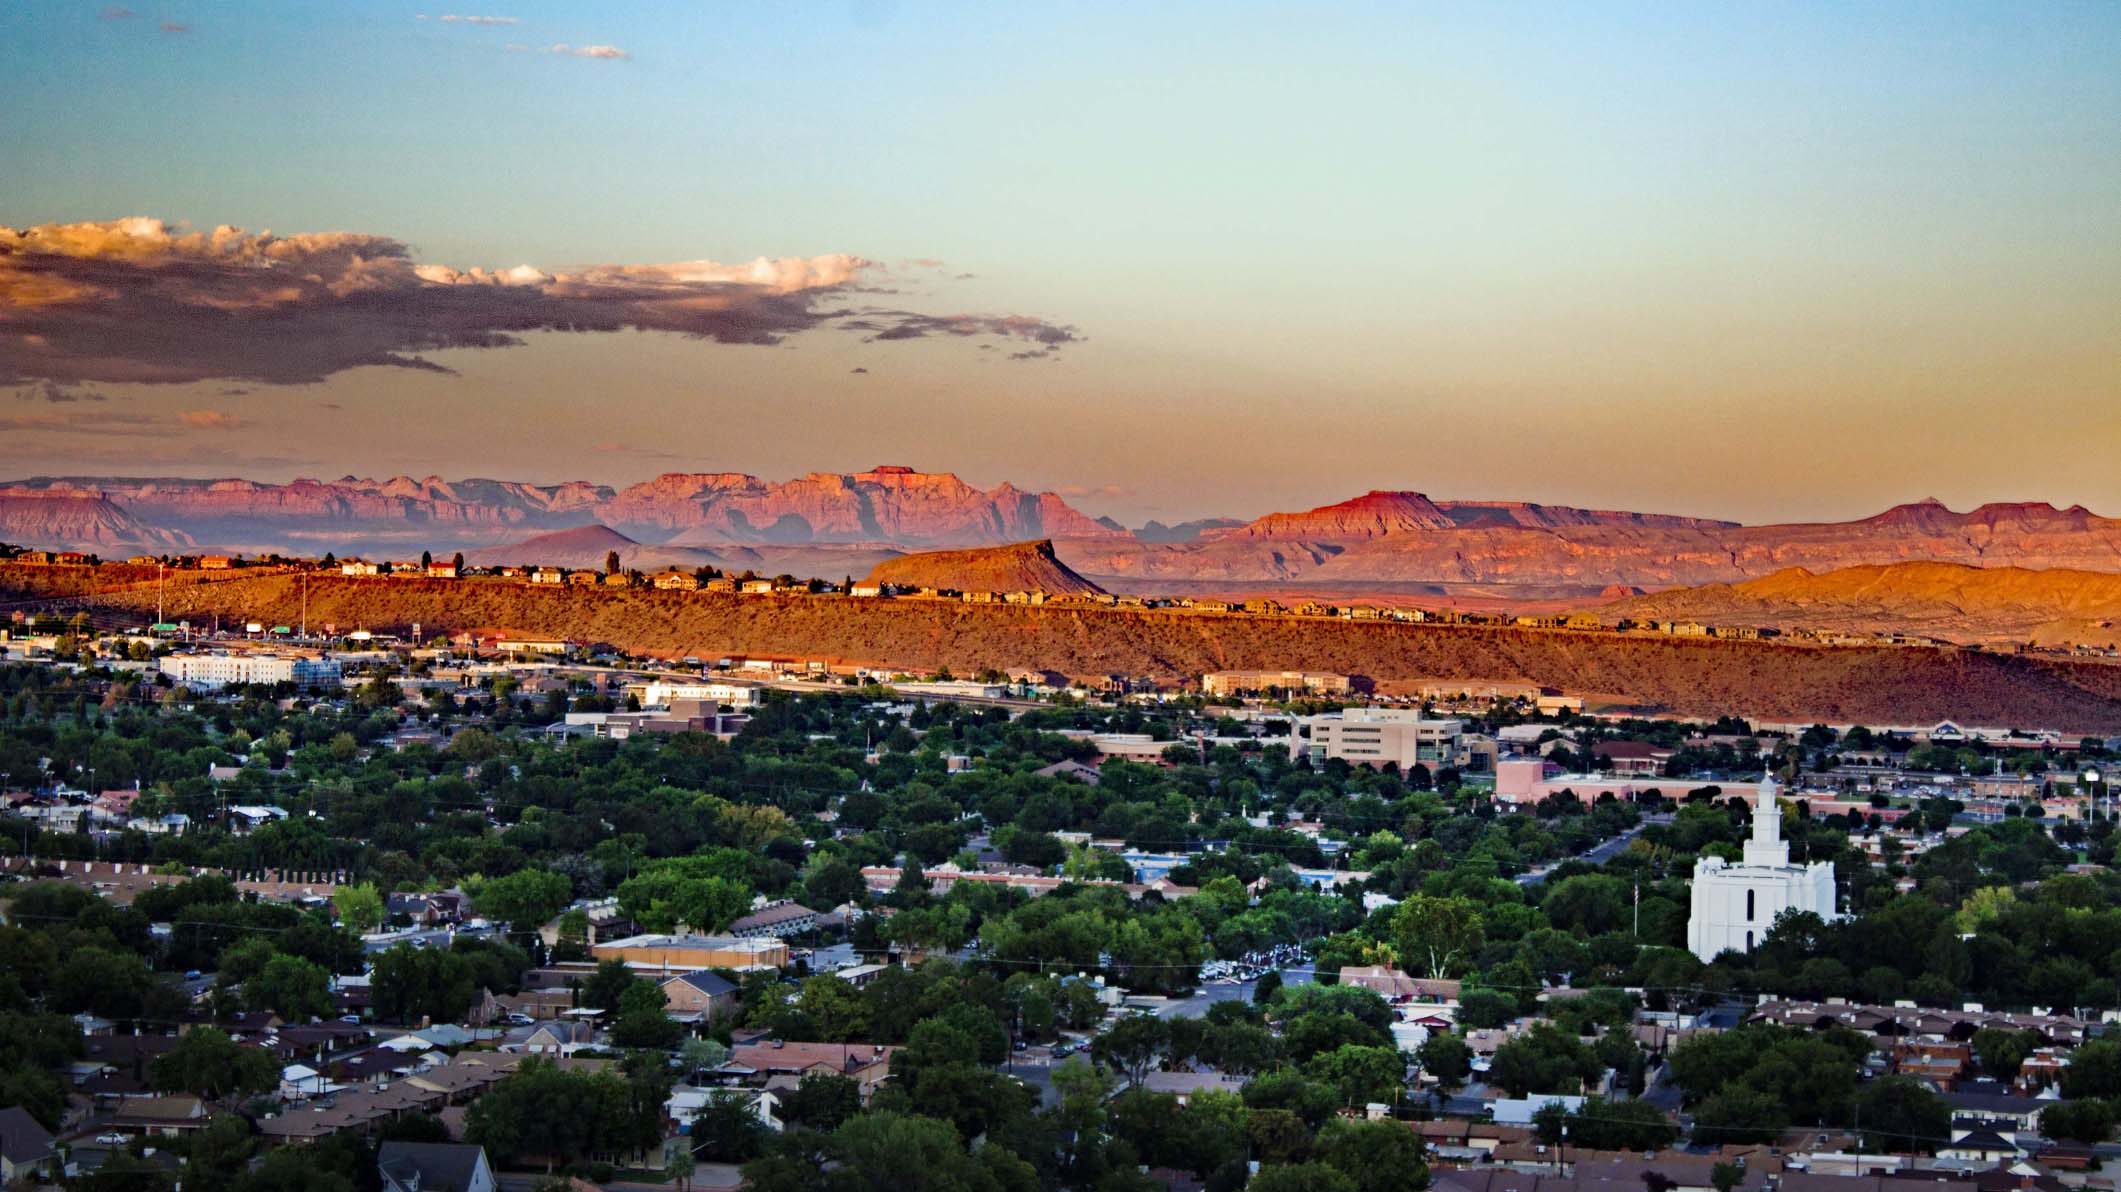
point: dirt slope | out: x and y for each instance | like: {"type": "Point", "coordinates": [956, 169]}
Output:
{"type": "Point", "coordinates": [1778, 682]}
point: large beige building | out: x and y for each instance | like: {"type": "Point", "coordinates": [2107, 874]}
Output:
{"type": "Point", "coordinates": [1246, 682]}
{"type": "Point", "coordinates": [1375, 736]}
{"type": "Point", "coordinates": [689, 953]}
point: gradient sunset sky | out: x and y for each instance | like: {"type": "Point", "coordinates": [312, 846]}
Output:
{"type": "Point", "coordinates": [1768, 262]}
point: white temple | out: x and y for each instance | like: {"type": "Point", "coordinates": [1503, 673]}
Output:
{"type": "Point", "coordinates": [1735, 905]}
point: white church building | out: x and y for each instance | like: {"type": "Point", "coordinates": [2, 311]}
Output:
{"type": "Point", "coordinates": [1736, 904]}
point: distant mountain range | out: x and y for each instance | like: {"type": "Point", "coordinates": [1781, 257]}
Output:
{"type": "Point", "coordinates": [831, 524]}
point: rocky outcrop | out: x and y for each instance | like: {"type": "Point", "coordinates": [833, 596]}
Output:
{"type": "Point", "coordinates": [1018, 567]}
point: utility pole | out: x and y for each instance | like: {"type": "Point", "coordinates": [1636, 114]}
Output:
{"type": "Point", "coordinates": [305, 605]}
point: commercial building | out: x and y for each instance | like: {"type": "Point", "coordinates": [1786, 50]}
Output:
{"type": "Point", "coordinates": [1735, 905]}
{"type": "Point", "coordinates": [1254, 682]}
{"type": "Point", "coordinates": [663, 693]}
{"type": "Point", "coordinates": [212, 671]}
{"type": "Point", "coordinates": [690, 953]}
{"type": "Point", "coordinates": [1376, 736]}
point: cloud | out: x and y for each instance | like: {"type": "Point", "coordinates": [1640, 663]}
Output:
{"type": "Point", "coordinates": [136, 300]}
{"type": "Point", "coordinates": [1100, 490]}
{"type": "Point", "coordinates": [57, 393]}
{"type": "Point", "coordinates": [627, 449]}
{"type": "Point", "coordinates": [1046, 339]}
{"type": "Point", "coordinates": [175, 27]}
{"type": "Point", "coordinates": [455, 19]}
{"type": "Point", "coordinates": [117, 12]}
{"type": "Point", "coordinates": [211, 420]}
{"type": "Point", "coordinates": [96, 421]}
{"type": "Point", "coordinates": [611, 53]}
{"type": "Point", "coordinates": [858, 370]}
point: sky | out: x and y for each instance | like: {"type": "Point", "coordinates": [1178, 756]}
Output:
{"type": "Point", "coordinates": [1761, 261]}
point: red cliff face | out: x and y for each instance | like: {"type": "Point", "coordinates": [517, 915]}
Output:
{"type": "Point", "coordinates": [895, 505]}
{"type": "Point", "coordinates": [888, 505]}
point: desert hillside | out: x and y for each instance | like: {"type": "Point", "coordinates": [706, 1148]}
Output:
{"type": "Point", "coordinates": [1017, 567]}
{"type": "Point", "coordinates": [1775, 682]}
{"type": "Point", "coordinates": [1947, 600]}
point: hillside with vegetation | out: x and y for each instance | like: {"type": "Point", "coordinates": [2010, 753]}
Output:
{"type": "Point", "coordinates": [1892, 685]}
{"type": "Point", "coordinates": [1954, 601]}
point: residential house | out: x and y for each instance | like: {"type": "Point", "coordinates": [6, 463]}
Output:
{"type": "Point", "coordinates": [686, 1103]}
{"type": "Point", "coordinates": [548, 575]}
{"type": "Point", "coordinates": [867, 1064]}
{"type": "Point", "coordinates": [677, 581]}
{"type": "Point", "coordinates": [699, 997]}
{"type": "Point", "coordinates": [434, 1167]}
{"type": "Point", "coordinates": [563, 1036]}
{"type": "Point", "coordinates": [25, 1146]}
{"type": "Point", "coordinates": [166, 1116]}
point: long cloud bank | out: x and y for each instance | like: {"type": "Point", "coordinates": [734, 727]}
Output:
{"type": "Point", "coordinates": [136, 300]}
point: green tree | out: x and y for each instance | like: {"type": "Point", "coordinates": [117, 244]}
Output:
{"type": "Point", "coordinates": [207, 1062]}
{"type": "Point", "coordinates": [1301, 1177]}
{"type": "Point", "coordinates": [1900, 1114]}
{"type": "Point", "coordinates": [291, 987]}
{"type": "Point", "coordinates": [644, 1020]}
{"type": "Point", "coordinates": [523, 899]}
{"type": "Point", "coordinates": [2094, 1070]}
{"type": "Point", "coordinates": [1447, 1058]}
{"type": "Point", "coordinates": [1375, 1156]}
{"type": "Point", "coordinates": [359, 907]}
{"type": "Point", "coordinates": [2089, 1121]}
{"type": "Point", "coordinates": [1131, 1045]}
{"type": "Point", "coordinates": [1542, 1060]}
{"type": "Point", "coordinates": [1360, 1074]}
{"type": "Point", "coordinates": [1436, 936]}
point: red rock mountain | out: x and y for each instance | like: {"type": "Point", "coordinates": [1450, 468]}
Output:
{"type": "Point", "coordinates": [882, 505]}
{"type": "Point", "coordinates": [1017, 567]}
{"type": "Point", "coordinates": [834, 519]}
{"type": "Point", "coordinates": [77, 521]}
{"type": "Point", "coordinates": [879, 508]}
{"type": "Point", "coordinates": [1391, 537]}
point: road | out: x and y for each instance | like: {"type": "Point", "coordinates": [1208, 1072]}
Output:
{"type": "Point", "coordinates": [1197, 1005]}
{"type": "Point", "coordinates": [1598, 854]}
